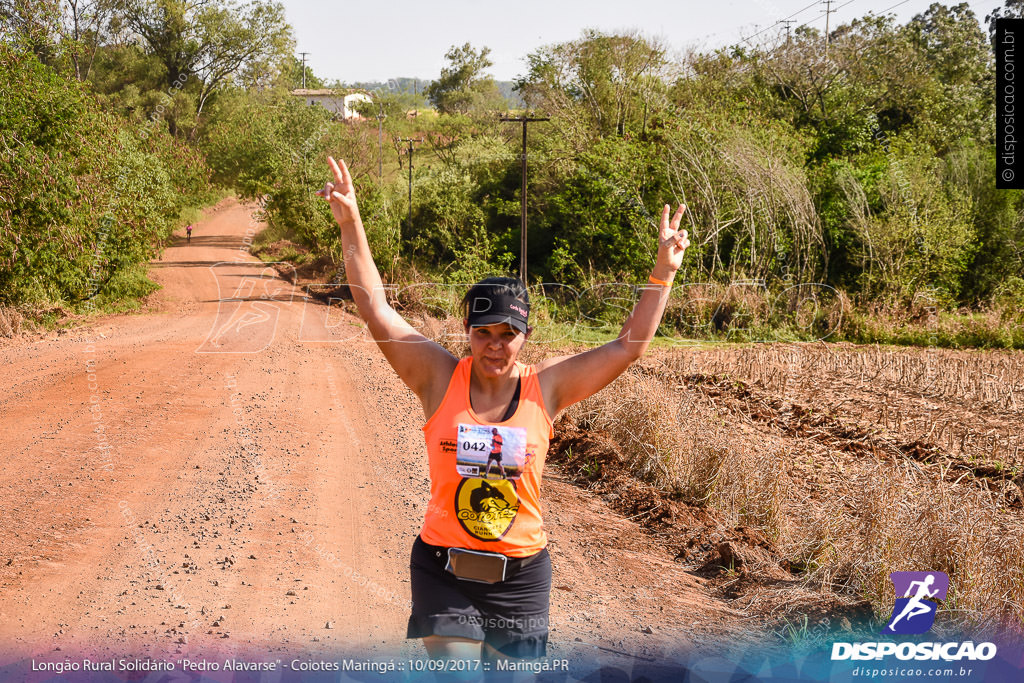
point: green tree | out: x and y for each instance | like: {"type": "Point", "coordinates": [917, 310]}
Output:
{"type": "Point", "coordinates": [998, 221]}
{"type": "Point", "coordinates": [213, 41]}
{"type": "Point", "coordinates": [464, 84]}
{"type": "Point", "coordinates": [915, 229]}
{"type": "Point", "coordinates": [1013, 9]}
{"type": "Point", "coordinates": [957, 101]}
{"type": "Point", "coordinates": [598, 85]}
{"type": "Point", "coordinates": [84, 196]}
{"type": "Point", "coordinates": [291, 75]}
{"type": "Point", "coordinates": [33, 25]}
{"type": "Point", "coordinates": [863, 85]}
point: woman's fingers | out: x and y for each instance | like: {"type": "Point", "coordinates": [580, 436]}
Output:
{"type": "Point", "coordinates": [681, 241]}
{"type": "Point", "coordinates": [668, 227]}
{"type": "Point", "coordinates": [338, 177]}
{"type": "Point", "coordinates": [345, 175]}
{"type": "Point", "coordinates": [342, 178]}
{"type": "Point", "coordinates": [678, 216]}
{"type": "Point", "coordinates": [330, 193]}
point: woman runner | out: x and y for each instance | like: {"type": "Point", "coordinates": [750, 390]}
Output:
{"type": "Point", "coordinates": [481, 574]}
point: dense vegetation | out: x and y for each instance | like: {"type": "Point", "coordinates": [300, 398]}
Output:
{"type": "Point", "coordinates": [100, 104]}
{"type": "Point", "coordinates": [86, 195]}
{"type": "Point", "coordinates": [865, 166]}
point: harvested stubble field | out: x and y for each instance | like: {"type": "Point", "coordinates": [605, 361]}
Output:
{"type": "Point", "coordinates": [797, 476]}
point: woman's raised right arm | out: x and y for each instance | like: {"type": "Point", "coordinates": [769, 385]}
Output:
{"type": "Point", "coordinates": [425, 366]}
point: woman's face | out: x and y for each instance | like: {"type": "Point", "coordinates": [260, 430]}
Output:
{"type": "Point", "coordinates": [494, 347]}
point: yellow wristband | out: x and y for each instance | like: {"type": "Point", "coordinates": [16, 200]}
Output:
{"type": "Point", "coordinates": [655, 281]}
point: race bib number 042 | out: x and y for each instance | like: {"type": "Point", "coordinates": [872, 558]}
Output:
{"type": "Point", "coordinates": [490, 452]}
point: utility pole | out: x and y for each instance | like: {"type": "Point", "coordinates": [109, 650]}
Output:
{"type": "Point", "coordinates": [303, 69]}
{"type": "Point", "coordinates": [522, 208]}
{"type": "Point", "coordinates": [787, 22]}
{"type": "Point", "coordinates": [828, 11]}
{"type": "Point", "coordinates": [410, 141]}
{"type": "Point", "coordinates": [380, 140]}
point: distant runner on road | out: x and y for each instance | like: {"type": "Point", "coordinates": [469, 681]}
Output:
{"type": "Point", "coordinates": [481, 572]}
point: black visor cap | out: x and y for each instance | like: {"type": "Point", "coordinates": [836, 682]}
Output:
{"type": "Point", "coordinates": [488, 309]}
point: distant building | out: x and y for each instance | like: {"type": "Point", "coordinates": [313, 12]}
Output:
{"type": "Point", "coordinates": [339, 102]}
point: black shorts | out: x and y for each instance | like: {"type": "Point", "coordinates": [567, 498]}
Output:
{"type": "Point", "coordinates": [510, 616]}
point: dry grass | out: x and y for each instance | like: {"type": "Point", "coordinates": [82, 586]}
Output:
{"type": "Point", "coordinates": [845, 513]}
{"type": "Point", "coordinates": [10, 321]}
{"type": "Point", "coordinates": [895, 519]}
{"type": "Point", "coordinates": [677, 441]}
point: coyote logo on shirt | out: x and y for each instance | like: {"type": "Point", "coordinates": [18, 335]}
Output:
{"type": "Point", "coordinates": [486, 509]}
{"type": "Point", "coordinates": [487, 498]}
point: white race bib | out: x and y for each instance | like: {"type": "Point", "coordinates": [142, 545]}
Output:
{"type": "Point", "coordinates": [490, 452]}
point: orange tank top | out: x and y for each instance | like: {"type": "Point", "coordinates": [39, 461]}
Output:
{"type": "Point", "coordinates": [478, 501]}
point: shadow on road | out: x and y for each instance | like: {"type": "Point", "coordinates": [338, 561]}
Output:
{"type": "Point", "coordinates": [223, 241]}
{"type": "Point", "coordinates": [207, 264]}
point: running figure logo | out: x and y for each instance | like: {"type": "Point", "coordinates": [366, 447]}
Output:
{"type": "Point", "coordinates": [914, 612]}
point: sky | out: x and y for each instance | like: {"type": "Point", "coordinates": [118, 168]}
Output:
{"type": "Point", "coordinates": [375, 41]}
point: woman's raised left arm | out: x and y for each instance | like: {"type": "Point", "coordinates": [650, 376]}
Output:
{"type": "Point", "coordinates": [568, 379]}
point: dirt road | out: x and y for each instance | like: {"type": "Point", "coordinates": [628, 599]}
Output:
{"type": "Point", "coordinates": [235, 470]}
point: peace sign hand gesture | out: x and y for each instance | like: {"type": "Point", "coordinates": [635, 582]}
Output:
{"type": "Point", "coordinates": [341, 194]}
{"type": "Point", "coordinates": [672, 242]}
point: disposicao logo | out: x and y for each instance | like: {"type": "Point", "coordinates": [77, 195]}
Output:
{"type": "Point", "coordinates": [913, 614]}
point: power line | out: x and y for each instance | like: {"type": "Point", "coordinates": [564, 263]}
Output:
{"type": "Point", "coordinates": [894, 6]}
{"type": "Point", "coordinates": [799, 11]}
{"type": "Point", "coordinates": [808, 23]}
{"type": "Point", "coordinates": [825, 12]}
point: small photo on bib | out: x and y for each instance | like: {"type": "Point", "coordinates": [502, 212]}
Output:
{"type": "Point", "coordinates": [490, 452]}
